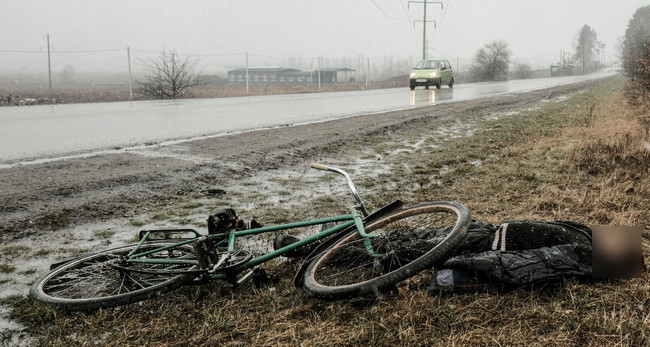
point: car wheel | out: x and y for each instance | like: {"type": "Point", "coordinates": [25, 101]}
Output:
{"type": "Point", "coordinates": [451, 83]}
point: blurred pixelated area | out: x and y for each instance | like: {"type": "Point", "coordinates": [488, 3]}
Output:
{"type": "Point", "coordinates": [617, 252]}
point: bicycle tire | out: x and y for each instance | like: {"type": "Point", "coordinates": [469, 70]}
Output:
{"type": "Point", "coordinates": [345, 270]}
{"type": "Point", "coordinates": [90, 282]}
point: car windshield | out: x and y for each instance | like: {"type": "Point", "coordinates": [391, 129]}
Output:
{"type": "Point", "coordinates": [427, 64]}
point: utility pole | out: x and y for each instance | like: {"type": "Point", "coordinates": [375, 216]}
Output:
{"type": "Point", "coordinates": [424, 32]}
{"type": "Point", "coordinates": [368, 72]}
{"type": "Point", "coordinates": [128, 56]}
{"type": "Point", "coordinates": [49, 65]}
{"type": "Point", "coordinates": [247, 72]}
{"type": "Point", "coordinates": [424, 23]}
{"type": "Point", "coordinates": [319, 72]}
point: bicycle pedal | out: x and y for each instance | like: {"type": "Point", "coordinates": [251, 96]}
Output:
{"type": "Point", "coordinates": [245, 277]}
{"type": "Point", "coordinates": [222, 258]}
{"type": "Point", "coordinates": [206, 252]}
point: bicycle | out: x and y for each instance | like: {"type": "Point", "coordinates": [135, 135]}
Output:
{"type": "Point", "coordinates": [361, 255]}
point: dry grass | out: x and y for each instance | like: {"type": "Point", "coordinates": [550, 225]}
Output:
{"type": "Point", "coordinates": [103, 93]}
{"type": "Point", "coordinates": [70, 94]}
{"type": "Point", "coordinates": [579, 159]}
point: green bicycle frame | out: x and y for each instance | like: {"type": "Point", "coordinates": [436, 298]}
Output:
{"type": "Point", "coordinates": [349, 220]}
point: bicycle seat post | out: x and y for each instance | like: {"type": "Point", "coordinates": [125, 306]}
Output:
{"type": "Point", "coordinates": [362, 206]}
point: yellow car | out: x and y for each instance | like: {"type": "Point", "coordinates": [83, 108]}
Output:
{"type": "Point", "coordinates": [432, 73]}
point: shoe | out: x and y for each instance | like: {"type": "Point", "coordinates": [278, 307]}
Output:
{"type": "Point", "coordinates": [451, 281]}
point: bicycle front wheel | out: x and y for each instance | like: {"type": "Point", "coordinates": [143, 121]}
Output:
{"type": "Point", "coordinates": [405, 243]}
{"type": "Point", "coordinates": [105, 279]}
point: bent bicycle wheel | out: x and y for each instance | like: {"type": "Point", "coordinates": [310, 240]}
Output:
{"type": "Point", "coordinates": [104, 279]}
{"type": "Point", "coordinates": [405, 243]}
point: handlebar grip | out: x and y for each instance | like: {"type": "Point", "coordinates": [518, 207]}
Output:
{"type": "Point", "coordinates": [318, 166]}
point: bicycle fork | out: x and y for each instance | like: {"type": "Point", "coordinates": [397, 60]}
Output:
{"type": "Point", "coordinates": [367, 238]}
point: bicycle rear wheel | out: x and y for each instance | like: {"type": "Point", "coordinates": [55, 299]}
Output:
{"type": "Point", "coordinates": [105, 279]}
{"type": "Point", "coordinates": [346, 269]}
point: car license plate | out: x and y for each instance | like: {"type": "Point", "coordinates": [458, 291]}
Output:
{"type": "Point", "coordinates": [421, 80]}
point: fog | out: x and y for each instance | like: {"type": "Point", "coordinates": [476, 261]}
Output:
{"type": "Point", "coordinates": [92, 36]}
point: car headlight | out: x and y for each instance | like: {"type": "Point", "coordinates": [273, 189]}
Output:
{"type": "Point", "coordinates": [412, 74]}
{"type": "Point", "coordinates": [433, 74]}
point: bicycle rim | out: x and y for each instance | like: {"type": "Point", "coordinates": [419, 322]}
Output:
{"type": "Point", "coordinates": [92, 282]}
{"type": "Point", "coordinates": [410, 240]}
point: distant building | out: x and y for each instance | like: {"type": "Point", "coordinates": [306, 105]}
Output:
{"type": "Point", "coordinates": [269, 75]}
{"type": "Point", "coordinates": [337, 75]}
{"type": "Point", "coordinates": [564, 70]}
{"type": "Point", "coordinates": [286, 75]}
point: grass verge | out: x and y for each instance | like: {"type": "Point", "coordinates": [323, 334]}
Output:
{"type": "Point", "coordinates": [578, 158]}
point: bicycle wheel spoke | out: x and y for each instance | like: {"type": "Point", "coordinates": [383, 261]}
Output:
{"type": "Point", "coordinates": [403, 244]}
{"type": "Point", "coordinates": [106, 279]}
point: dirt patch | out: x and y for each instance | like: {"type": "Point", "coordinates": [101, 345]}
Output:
{"type": "Point", "coordinates": [518, 156]}
{"type": "Point", "coordinates": [46, 197]}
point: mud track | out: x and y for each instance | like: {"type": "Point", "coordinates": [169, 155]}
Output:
{"type": "Point", "coordinates": [43, 198]}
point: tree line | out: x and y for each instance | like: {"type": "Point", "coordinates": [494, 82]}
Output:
{"type": "Point", "coordinates": [492, 61]}
{"type": "Point", "coordinates": [636, 66]}
{"type": "Point", "coordinates": [169, 75]}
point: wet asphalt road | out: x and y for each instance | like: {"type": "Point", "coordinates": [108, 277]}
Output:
{"type": "Point", "coordinates": [52, 131]}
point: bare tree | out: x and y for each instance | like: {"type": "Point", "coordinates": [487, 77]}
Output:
{"type": "Point", "coordinates": [636, 64]}
{"type": "Point", "coordinates": [587, 49]}
{"type": "Point", "coordinates": [169, 76]}
{"type": "Point", "coordinates": [522, 71]}
{"type": "Point", "coordinates": [68, 74]}
{"type": "Point", "coordinates": [491, 62]}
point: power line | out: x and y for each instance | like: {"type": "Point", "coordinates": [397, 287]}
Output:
{"type": "Point", "coordinates": [216, 55]}
{"type": "Point", "coordinates": [382, 10]}
{"type": "Point", "coordinates": [93, 51]}
{"type": "Point", "coordinates": [442, 20]}
{"type": "Point", "coordinates": [11, 51]}
{"type": "Point", "coordinates": [265, 56]}
{"type": "Point", "coordinates": [406, 12]}
{"type": "Point", "coordinates": [144, 51]}
{"type": "Point", "coordinates": [53, 51]}
{"type": "Point", "coordinates": [189, 54]}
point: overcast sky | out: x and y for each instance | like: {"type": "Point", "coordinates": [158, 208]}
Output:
{"type": "Point", "coordinates": [536, 29]}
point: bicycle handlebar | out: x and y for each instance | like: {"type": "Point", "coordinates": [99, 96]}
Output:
{"type": "Point", "coordinates": [362, 206]}
{"type": "Point", "coordinates": [318, 166]}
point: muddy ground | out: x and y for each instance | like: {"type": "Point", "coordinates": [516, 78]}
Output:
{"type": "Point", "coordinates": [61, 202]}
{"type": "Point", "coordinates": [63, 208]}
{"type": "Point", "coordinates": [569, 153]}
{"type": "Point", "coordinates": [39, 199]}
{"type": "Point", "coordinates": [59, 209]}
